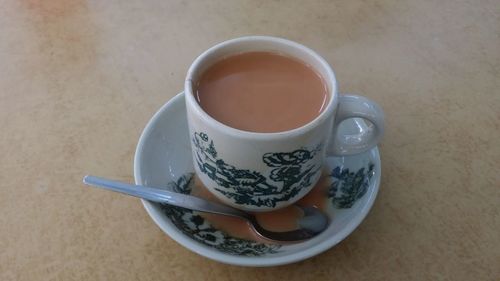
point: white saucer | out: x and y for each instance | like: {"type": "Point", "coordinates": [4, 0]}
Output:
{"type": "Point", "coordinates": [163, 159]}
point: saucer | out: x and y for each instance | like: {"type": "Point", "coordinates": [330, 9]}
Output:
{"type": "Point", "coordinates": [163, 159]}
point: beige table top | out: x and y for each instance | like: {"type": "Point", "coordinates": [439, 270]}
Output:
{"type": "Point", "coordinates": [80, 79]}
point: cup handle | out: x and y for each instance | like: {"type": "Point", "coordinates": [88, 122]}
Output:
{"type": "Point", "coordinates": [346, 141]}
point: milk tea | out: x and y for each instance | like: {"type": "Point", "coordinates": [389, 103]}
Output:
{"type": "Point", "coordinates": [262, 92]}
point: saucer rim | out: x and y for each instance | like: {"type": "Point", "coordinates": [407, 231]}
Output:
{"type": "Point", "coordinates": [264, 261]}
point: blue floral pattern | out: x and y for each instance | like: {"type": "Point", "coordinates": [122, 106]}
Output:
{"type": "Point", "coordinates": [290, 172]}
{"type": "Point", "coordinates": [347, 187]}
{"type": "Point", "coordinates": [200, 230]}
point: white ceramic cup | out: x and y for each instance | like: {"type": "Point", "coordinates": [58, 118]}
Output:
{"type": "Point", "coordinates": [265, 171]}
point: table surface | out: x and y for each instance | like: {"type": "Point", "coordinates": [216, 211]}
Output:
{"type": "Point", "coordinates": [80, 79]}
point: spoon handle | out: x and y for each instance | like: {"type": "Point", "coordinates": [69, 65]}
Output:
{"type": "Point", "coordinates": [165, 196]}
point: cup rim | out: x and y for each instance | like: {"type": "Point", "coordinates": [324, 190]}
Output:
{"type": "Point", "coordinates": [325, 114]}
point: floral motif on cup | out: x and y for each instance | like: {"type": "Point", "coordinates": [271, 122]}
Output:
{"type": "Point", "coordinates": [289, 173]}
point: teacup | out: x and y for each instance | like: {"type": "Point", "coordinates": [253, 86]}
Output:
{"type": "Point", "coordinates": [265, 171]}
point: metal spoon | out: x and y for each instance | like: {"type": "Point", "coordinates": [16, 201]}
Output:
{"type": "Point", "coordinates": [313, 222]}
